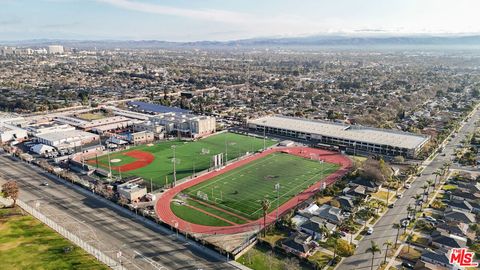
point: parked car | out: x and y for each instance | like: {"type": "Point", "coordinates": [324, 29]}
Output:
{"type": "Point", "coordinates": [44, 184]}
{"type": "Point", "coordinates": [370, 230]}
{"type": "Point", "coordinates": [429, 218]}
{"type": "Point", "coordinates": [391, 205]}
{"type": "Point", "coordinates": [405, 223]}
{"type": "Point", "coordinates": [407, 186]}
{"type": "Point", "coordinates": [399, 196]}
{"type": "Point", "coordinates": [407, 265]}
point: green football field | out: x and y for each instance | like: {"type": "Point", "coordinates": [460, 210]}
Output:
{"type": "Point", "coordinates": [239, 192]}
{"type": "Point", "coordinates": [190, 156]}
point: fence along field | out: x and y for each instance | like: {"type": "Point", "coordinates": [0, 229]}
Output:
{"type": "Point", "coordinates": [235, 197]}
{"type": "Point", "coordinates": [190, 157]}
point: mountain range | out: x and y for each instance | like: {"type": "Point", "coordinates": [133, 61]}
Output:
{"type": "Point", "coordinates": [308, 41]}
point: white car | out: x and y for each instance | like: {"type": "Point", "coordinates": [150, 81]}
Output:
{"type": "Point", "coordinates": [407, 186]}
{"type": "Point", "coordinates": [429, 218]}
{"type": "Point", "coordinates": [370, 231]}
{"type": "Point", "coordinates": [405, 223]}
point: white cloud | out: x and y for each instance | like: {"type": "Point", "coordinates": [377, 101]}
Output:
{"type": "Point", "coordinates": [203, 14]}
{"type": "Point", "coordinates": [255, 25]}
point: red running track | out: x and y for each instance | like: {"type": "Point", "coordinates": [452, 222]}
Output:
{"type": "Point", "coordinates": [166, 214]}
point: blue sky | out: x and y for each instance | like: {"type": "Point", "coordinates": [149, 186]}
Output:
{"type": "Point", "coordinates": [190, 20]}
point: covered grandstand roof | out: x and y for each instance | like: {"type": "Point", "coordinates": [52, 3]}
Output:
{"type": "Point", "coordinates": [343, 131]}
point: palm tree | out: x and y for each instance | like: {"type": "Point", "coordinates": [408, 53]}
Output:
{"type": "Point", "coordinates": [410, 210]}
{"type": "Point", "coordinates": [446, 167]}
{"type": "Point", "coordinates": [335, 248]}
{"type": "Point", "coordinates": [324, 230]}
{"type": "Point", "coordinates": [437, 174]}
{"type": "Point", "coordinates": [398, 227]}
{"type": "Point", "coordinates": [388, 245]}
{"type": "Point", "coordinates": [265, 206]}
{"type": "Point", "coordinates": [430, 183]}
{"type": "Point", "coordinates": [425, 187]}
{"type": "Point", "coordinates": [373, 249]}
{"type": "Point", "coordinates": [416, 197]}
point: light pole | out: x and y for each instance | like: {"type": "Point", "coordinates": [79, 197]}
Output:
{"type": "Point", "coordinates": [175, 224]}
{"type": "Point", "coordinates": [226, 150]}
{"type": "Point", "coordinates": [277, 188]}
{"type": "Point", "coordinates": [109, 164]}
{"type": "Point", "coordinates": [264, 142]}
{"type": "Point", "coordinates": [174, 166]}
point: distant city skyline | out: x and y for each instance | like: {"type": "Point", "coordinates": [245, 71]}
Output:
{"type": "Point", "coordinates": [194, 20]}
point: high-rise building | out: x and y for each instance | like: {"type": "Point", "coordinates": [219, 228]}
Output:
{"type": "Point", "coordinates": [55, 49]}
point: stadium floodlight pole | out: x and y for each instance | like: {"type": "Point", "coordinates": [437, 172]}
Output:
{"type": "Point", "coordinates": [109, 164]}
{"type": "Point", "coordinates": [277, 188]}
{"type": "Point", "coordinates": [174, 167]}
{"type": "Point", "coordinates": [226, 150]}
{"type": "Point", "coordinates": [264, 143]}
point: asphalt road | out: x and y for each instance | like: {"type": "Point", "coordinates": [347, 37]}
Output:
{"type": "Point", "coordinates": [384, 229]}
{"type": "Point", "coordinates": [108, 228]}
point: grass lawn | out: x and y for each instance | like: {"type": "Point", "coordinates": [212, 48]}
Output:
{"type": "Point", "coordinates": [422, 241]}
{"type": "Point", "coordinates": [26, 243]}
{"type": "Point", "coordinates": [259, 258]}
{"type": "Point", "coordinates": [241, 190]}
{"type": "Point", "coordinates": [91, 116]}
{"type": "Point", "coordinates": [412, 255]}
{"type": "Point", "coordinates": [320, 258]}
{"type": "Point", "coordinates": [449, 187]}
{"type": "Point", "coordinates": [273, 237]}
{"type": "Point", "coordinates": [382, 195]}
{"type": "Point", "coordinates": [190, 156]}
{"type": "Point", "coordinates": [324, 200]}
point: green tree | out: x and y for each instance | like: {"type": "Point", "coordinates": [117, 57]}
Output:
{"type": "Point", "coordinates": [10, 190]}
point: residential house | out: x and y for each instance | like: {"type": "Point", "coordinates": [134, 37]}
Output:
{"type": "Point", "coordinates": [356, 192]}
{"type": "Point", "coordinates": [434, 261]}
{"type": "Point", "coordinates": [370, 186]}
{"type": "Point", "coordinates": [298, 220]}
{"type": "Point", "coordinates": [446, 243]}
{"type": "Point", "coordinates": [467, 196]}
{"type": "Point", "coordinates": [316, 227]}
{"type": "Point", "coordinates": [469, 187]}
{"type": "Point", "coordinates": [454, 228]}
{"type": "Point", "coordinates": [454, 215]}
{"type": "Point", "coordinates": [460, 205]}
{"type": "Point", "coordinates": [299, 244]}
{"type": "Point", "coordinates": [330, 214]}
{"type": "Point", "coordinates": [346, 203]}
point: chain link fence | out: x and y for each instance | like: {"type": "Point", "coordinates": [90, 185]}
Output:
{"type": "Point", "coordinates": [72, 237]}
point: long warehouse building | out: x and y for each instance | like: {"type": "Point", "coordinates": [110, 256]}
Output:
{"type": "Point", "coordinates": [349, 138]}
